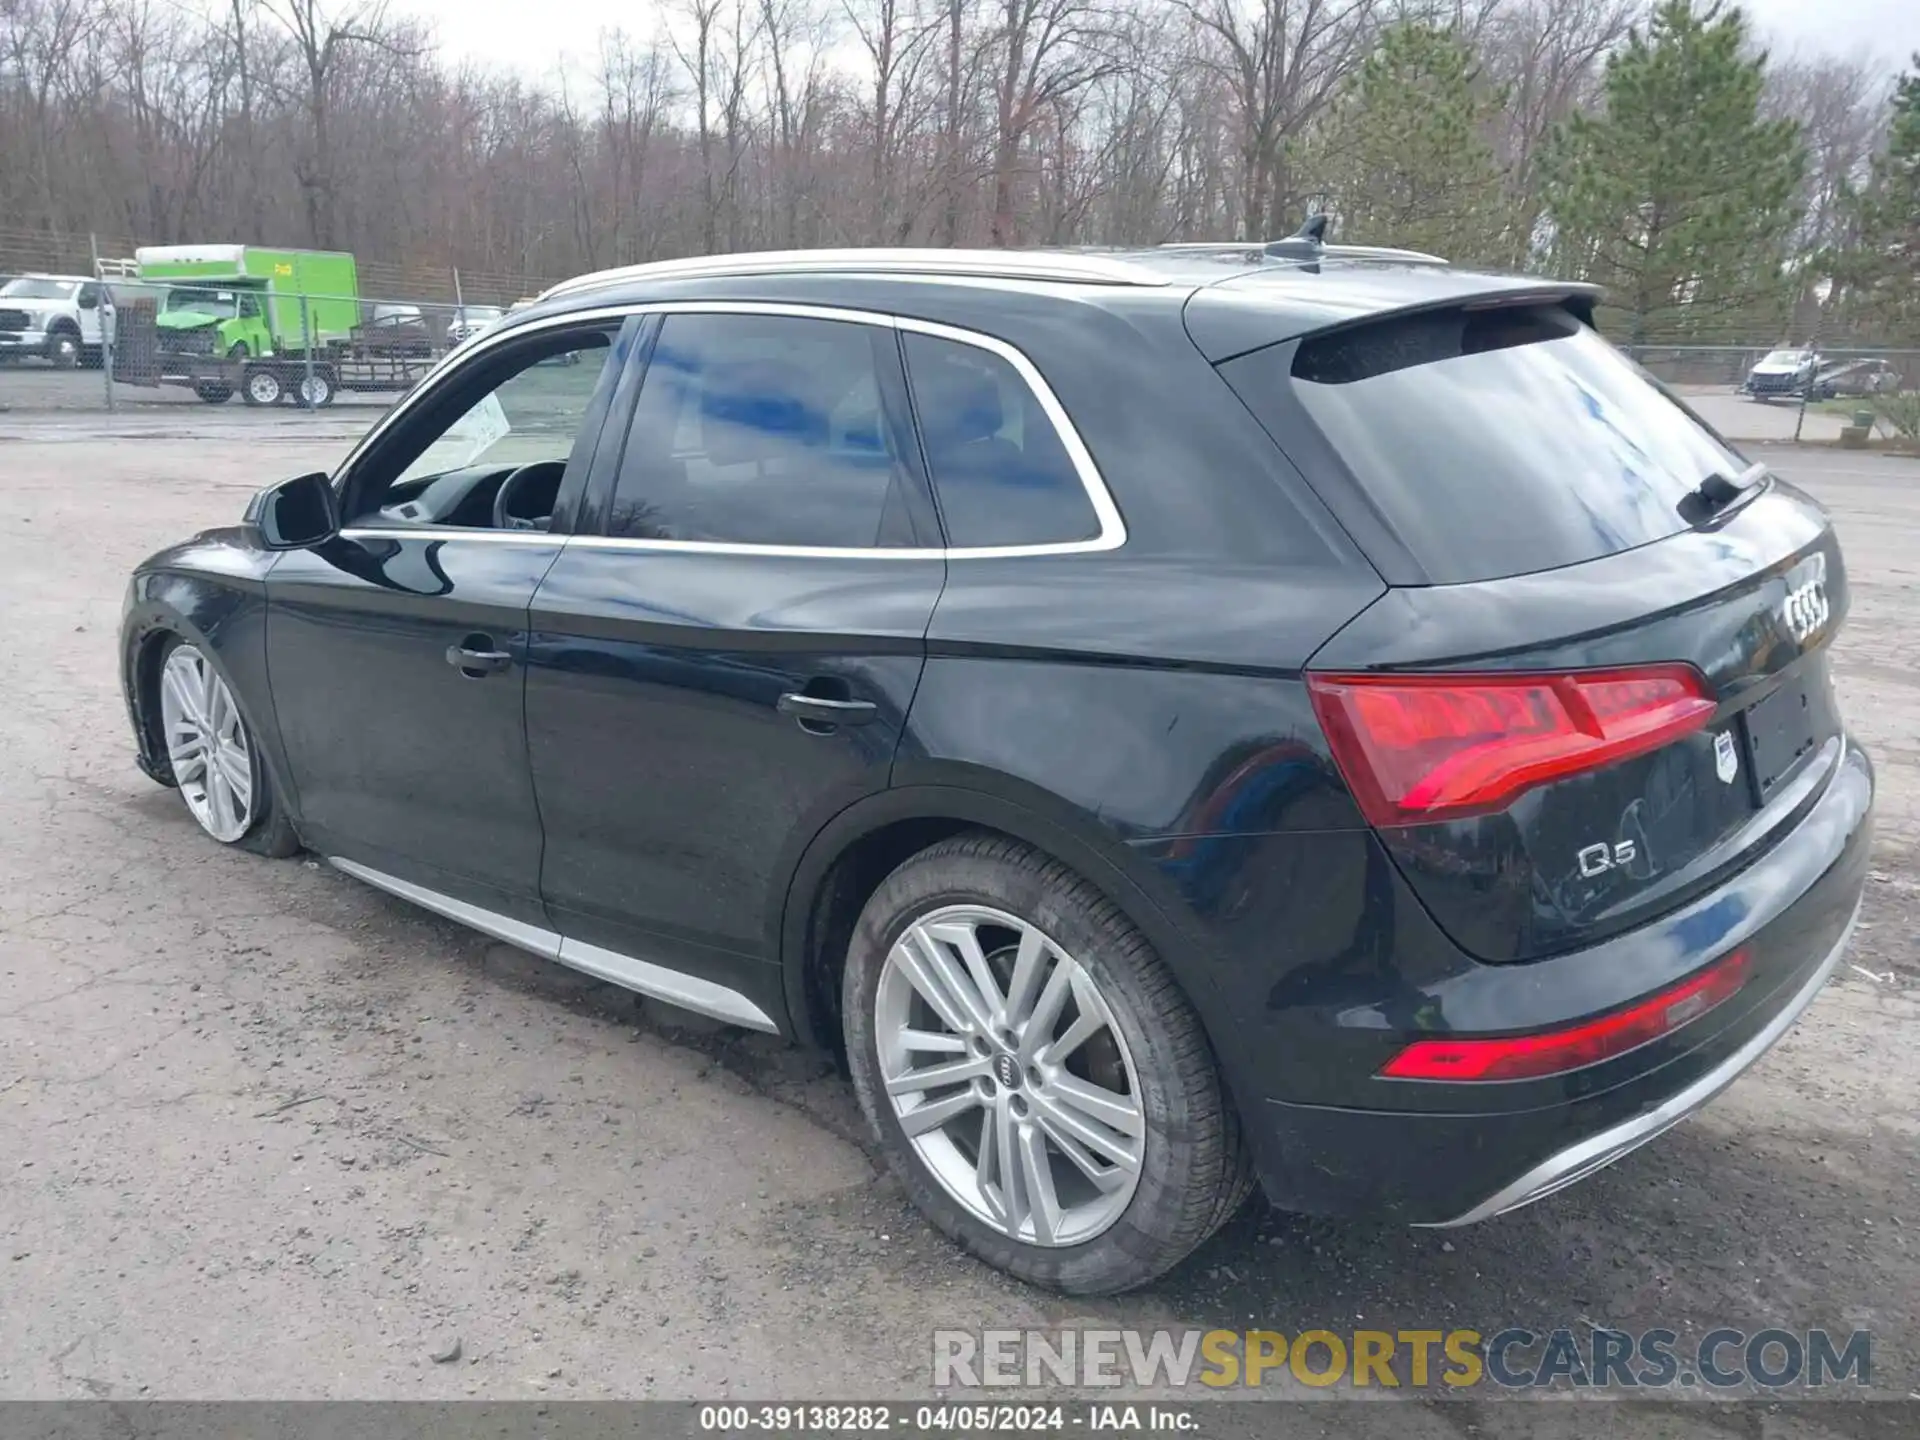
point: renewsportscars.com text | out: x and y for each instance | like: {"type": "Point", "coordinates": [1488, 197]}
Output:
{"type": "Point", "coordinates": [1513, 1358]}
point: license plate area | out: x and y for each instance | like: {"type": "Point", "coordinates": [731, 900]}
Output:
{"type": "Point", "coordinates": [1781, 732]}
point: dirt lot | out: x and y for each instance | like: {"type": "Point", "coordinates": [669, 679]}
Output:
{"type": "Point", "coordinates": [265, 1132]}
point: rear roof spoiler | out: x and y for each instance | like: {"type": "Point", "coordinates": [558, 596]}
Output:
{"type": "Point", "coordinates": [1257, 308]}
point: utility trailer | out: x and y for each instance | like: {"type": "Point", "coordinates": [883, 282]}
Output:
{"type": "Point", "coordinates": [361, 363]}
{"type": "Point", "coordinates": [311, 382]}
{"type": "Point", "coordinates": [266, 325]}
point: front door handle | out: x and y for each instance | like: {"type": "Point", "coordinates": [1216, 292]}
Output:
{"type": "Point", "coordinates": [475, 662]}
{"type": "Point", "coordinates": [818, 713]}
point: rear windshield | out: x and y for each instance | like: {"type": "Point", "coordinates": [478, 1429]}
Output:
{"type": "Point", "coordinates": [1495, 442]}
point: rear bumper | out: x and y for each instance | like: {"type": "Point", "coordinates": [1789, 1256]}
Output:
{"type": "Point", "coordinates": [1600, 1150]}
{"type": "Point", "coordinates": [1444, 1155]}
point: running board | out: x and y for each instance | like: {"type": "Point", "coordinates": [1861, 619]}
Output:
{"type": "Point", "coordinates": [689, 992]}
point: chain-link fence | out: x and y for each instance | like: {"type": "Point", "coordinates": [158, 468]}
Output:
{"type": "Point", "coordinates": [298, 329]}
{"type": "Point", "coordinates": [91, 323]}
{"type": "Point", "coordinates": [1835, 372]}
{"type": "Point", "coordinates": [1804, 392]}
{"type": "Point", "coordinates": [74, 343]}
{"type": "Point", "coordinates": [24, 251]}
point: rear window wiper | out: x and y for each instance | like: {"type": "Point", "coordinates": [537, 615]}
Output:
{"type": "Point", "coordinates": [1716, 492]}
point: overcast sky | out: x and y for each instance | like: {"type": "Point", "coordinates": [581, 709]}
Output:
{"type": "Point", "coordinates": [1888, 28]}
{"type": "Point", "coordinates": [530, 38]}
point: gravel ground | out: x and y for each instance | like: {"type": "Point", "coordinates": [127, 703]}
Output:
{"type": "Point", "coordinates": [265, 1132]}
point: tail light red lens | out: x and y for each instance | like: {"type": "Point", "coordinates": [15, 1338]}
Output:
{"type": "Point", "coordinates": [1419, 748]}
{"type": "Point", "coordinates": [1552, 1052]}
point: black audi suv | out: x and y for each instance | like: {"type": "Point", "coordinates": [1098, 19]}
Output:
{"type": "Point", "coordinates": [1170, 719]}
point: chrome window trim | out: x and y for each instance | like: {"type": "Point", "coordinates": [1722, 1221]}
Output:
{"type": "Point", "coordinates": [1112, 528]}
{"type": "Point", "coordinates": [454, 532]}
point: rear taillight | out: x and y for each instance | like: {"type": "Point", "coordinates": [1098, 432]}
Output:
{"type": "Point", "coordinates": [1418, 748]}
{"type": "Point", "coordinates": [1553, 1052]}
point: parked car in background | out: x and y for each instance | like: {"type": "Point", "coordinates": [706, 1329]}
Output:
{"type": "Point", "coordinates": [385, 316]}
{"type": "Point", "coordinates": [54, 317]}
{"type": "Point", "coordinates": [397, 329]}
{"type": "Point", "coordinates": [1780, 373]}
{"type": "Point", "coordinates": [1863, 377]}
{"type": "Point", "coordinates": [1437, 793]}
{"type": "Point", "coordinates": [471, 320]}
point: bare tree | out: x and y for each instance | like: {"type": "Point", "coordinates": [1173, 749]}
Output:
{"type": "Point", "coordinates": [898, 41]}
{"type": "Point", "coordinates": [1046, 51]}
{"type": "Point", "coordinates": [1840, 104]}
{"type": "Point", "coordinates": [763, 123]}
{"type": "Point", "coordinates": [321, 42]}
{"type": "Point", "coordinates": [1283, 61]}
{"type": "Point", "coordinates": [636, 95]}
{"type": "Point", "coordinates": [1547, 55]}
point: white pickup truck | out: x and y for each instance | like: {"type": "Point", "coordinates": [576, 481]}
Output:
{"type": "Point", "coordinates": [57, 317]}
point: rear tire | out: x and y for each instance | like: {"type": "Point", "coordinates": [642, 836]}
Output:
{"type": "Point", "coordinates": [1187, 1169]}
{"type": "Point", "coordinates": [213, 392]}
{"type": "Point", "coordinates": [315, 393]}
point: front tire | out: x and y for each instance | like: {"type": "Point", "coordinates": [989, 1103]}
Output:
{"type": "Point", "coordinates": [63, 349]}
{"type": "Point", "coordinates": [261, 385]}
{"type": "Point", "coordinates": [215, 761]}
{"type": "Point", "coordinates": [1034, 1077]}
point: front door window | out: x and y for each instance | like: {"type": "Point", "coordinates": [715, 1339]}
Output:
{"type": "Point", "coordinates": [491, 447]}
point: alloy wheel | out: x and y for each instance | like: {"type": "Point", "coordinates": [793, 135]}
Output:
{"type": "Point", "coordinates": [207, 745]}
{"type": "Point", "coordinates": [1009, 1075]}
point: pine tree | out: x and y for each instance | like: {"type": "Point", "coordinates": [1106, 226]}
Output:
{"type": "Point", "coordinates": [1404, 157]}
{"type": "Point", "coordinates": [1679, 199]}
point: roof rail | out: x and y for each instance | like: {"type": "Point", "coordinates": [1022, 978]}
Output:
{"type": "Point", "coordinates": [1225, 249]}
{"type": "Point", "coordinates": [1264, 250]}
{"type": "Point", "coordinates": [1384, 252]}
{"type": "Point", "coordinates": [992, 264]}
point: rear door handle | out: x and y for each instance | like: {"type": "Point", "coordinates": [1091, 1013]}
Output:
{"type": "Point", "coordinates": [811, 710]}
{"type": "Point", "coordinates": [476, 663]}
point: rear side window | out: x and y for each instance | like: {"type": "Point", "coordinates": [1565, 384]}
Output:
{"type": "Point", "coordinates": [1495, 442]}
{"type": "Point", "coordinates": [768, 430]}
{"type": "Point", "coordinates": [1000, 471]}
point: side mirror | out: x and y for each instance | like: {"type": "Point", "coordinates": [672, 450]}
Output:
{"type": "Point", "coordinates": [88, 302]}
{"type": "Point", "coordinates": [296, 513]}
